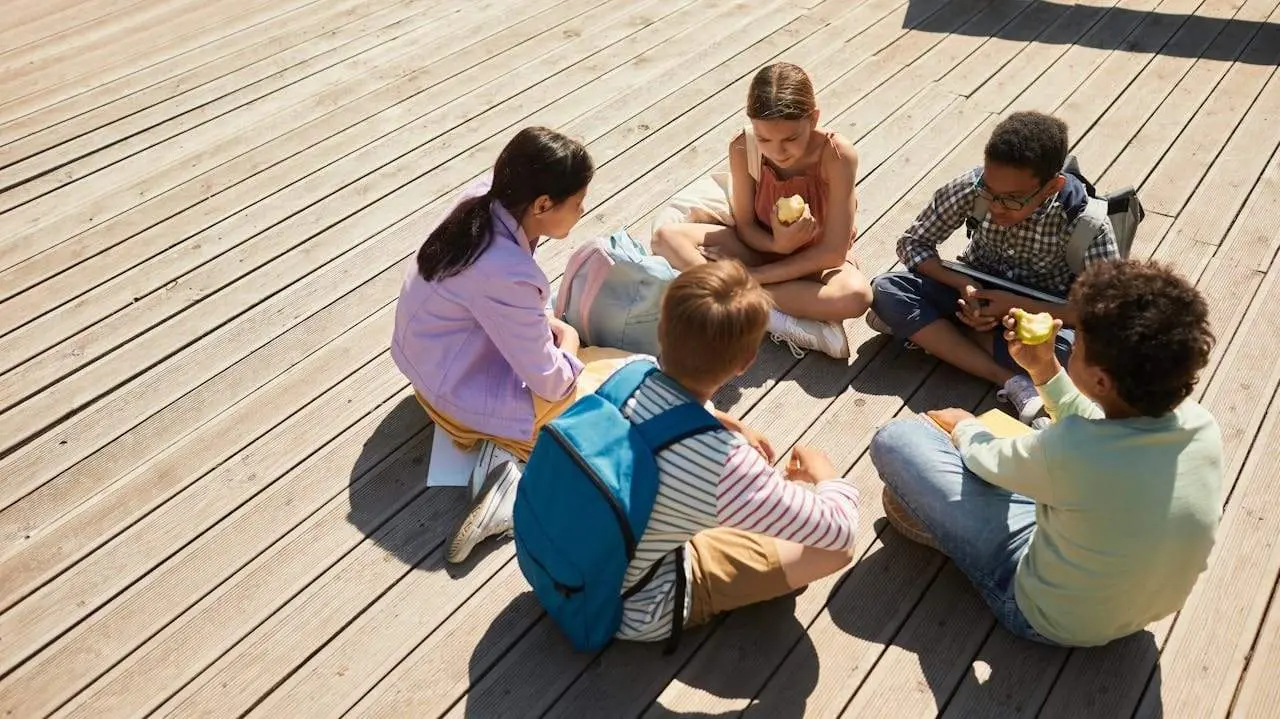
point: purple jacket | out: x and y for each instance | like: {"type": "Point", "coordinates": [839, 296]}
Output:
{"type": "Point", "coordinates": [478, 345]}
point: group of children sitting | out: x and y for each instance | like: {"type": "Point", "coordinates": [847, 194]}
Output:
{"type": "Point", "coordinates": [1076, 534]}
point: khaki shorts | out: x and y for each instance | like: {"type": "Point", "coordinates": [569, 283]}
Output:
{"type": "Point", "coordinates": [731, 569]}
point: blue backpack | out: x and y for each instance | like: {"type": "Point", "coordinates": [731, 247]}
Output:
{"type": "Point", "coordinates": [585, 500]}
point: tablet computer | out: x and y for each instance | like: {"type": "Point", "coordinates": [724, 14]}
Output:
{"type": "Point", "coordinates": [993, 281]}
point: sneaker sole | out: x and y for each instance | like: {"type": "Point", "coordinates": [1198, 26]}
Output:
{"type": "Point", "coordinates": [1031, 411]}
{"type": "Point", "coordinates": [904, 522]}
{"type": "Point", "coordinates": [834, 343]}
{"type": "Point", "coordinates": [845, 351]}
{"type": "Point", "coordinates": [468, 534]}
{"type": "Point", "coordinates": [828, 338]}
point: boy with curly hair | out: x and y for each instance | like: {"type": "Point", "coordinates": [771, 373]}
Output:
{"type": "Point", "coordinates": [1101, 523]}
{"type": "Point", "coordinates": [1034, 207]}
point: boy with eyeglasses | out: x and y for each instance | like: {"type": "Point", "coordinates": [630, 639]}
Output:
{"type": "Point", "coordinates": [1033, 208]}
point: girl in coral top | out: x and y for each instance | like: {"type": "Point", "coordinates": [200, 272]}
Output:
{"type": "Point", "coordinates": [805, 265]}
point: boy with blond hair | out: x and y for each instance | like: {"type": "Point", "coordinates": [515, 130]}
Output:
{"type": "Point", "coordinates": [726, 529]}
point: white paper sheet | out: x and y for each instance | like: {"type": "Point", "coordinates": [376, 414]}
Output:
{"type": "Point", "coordinates": [449, 466]}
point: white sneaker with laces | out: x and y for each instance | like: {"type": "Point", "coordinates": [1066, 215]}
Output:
{"type": "Point", "coordinates": [1022, 393]}
{"type": "Point", "coordinates": [490, 514]}
{"type": "Point", "coordinates": [801, 334]}
{"type": "Point", "coordinates": [491, 455]}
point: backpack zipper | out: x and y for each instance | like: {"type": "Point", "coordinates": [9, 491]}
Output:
{"type": "Point", "coordinates": [623, 525]}
{"type": "Point", "coordinates": [564, 590]}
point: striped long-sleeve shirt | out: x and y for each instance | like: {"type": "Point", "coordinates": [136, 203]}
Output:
{"type": "Point", "coordinates": [713, 480]}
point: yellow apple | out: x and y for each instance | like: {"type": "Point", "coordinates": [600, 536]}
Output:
{"type": "Point", "coordinates": [790, 209]}
{"type": "Point", "coordinates": [1033, 329]}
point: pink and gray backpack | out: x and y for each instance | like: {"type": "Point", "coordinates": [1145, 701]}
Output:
{"type": "Point", "coordinates": [612, 293]}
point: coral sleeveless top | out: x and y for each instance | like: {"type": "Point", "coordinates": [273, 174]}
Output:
{"type": "Point", "coordinates": [809, 185]}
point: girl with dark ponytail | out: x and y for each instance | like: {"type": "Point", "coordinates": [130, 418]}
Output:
{"type": "Point", "coordinates": [540, 180]}
{"type": "Point", "coordinates": [488, 363]}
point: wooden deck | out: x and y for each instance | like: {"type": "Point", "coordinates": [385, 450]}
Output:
{"type": "Point", "coordinates": [213, 497]}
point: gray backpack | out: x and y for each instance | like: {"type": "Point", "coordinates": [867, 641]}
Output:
{"type": "Point", "coordinates": [1122, 207]}
{"type": "Point", "coordinates": [612, 293]}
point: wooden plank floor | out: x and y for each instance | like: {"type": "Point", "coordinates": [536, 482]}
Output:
{"type": "Point", "coordinates": [213, 500]}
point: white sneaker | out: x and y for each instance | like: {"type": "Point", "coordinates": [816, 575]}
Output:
{"type": "Point", "coordinates": [490, 514]}
{"type": "Point", "coordinates": [801, 334]}
{"type": "Point", "coordinates": [1022, 393]}
{"type": "Point", "coordinates": [491, 455]}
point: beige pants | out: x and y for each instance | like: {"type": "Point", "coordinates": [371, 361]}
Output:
{"type": "Point", "coordinates": [732, 569]}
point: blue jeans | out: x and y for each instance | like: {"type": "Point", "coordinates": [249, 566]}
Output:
{"type": "Point", "coordinates": [908, 302]}
{"type": "Point", "coordinates": [984, 529]}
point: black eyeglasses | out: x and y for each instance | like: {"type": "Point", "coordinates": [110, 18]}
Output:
{"type": "Point", "coordinates": [1007, 202]}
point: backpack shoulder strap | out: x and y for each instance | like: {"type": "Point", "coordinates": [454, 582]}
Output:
{"type": "Point", "coordinates": [678, 423]}
{"type": "Point", "coordinates": [753, 152]}
{"type": "Point", "coordinates": [665, 429]}
{"type": "Point", "coordinates": [622, 384]}
{"type": "Point", "coordinates": [977, 213]}
{"type": "Point", "coordinates": [1072, 167]}
{"type": "Point", "coordinates": [981, 206]}
{"type": "Point", "coordinates": [1088, 224]}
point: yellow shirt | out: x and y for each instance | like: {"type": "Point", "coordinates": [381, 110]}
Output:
{"type": "Point", "coordinates": [1126, 511]}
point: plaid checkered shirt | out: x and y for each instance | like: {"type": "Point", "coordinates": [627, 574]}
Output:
{"type": "Point", "coordinates": [1032, 253]}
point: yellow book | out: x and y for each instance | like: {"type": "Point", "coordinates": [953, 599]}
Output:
{"type": "Point", "coordinates": [1000, 424]}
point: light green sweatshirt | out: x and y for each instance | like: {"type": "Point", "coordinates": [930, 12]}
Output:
{"type": "Point", "coordinates": [1126, 511]}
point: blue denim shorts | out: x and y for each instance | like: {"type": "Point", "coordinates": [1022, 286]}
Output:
{"type": "Point", "coordinates": [908, 302]}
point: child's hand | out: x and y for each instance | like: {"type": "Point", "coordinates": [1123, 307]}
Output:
{"type": "Point", "coordinates": [809, 465]}
{"type": "Point", "coordinates": [1040, 361]}
{"type": "Point", "coordinates": [759, 443]}
{"type": "Point", "coordinates": [564, 335]}
{"type": "Point", "coordinates": [970, 311]}
{"type": "Point", "coordinates": [789, 238]}
{"type": "Point", "coordinates": [712, 253]}
{"type": "Point", "coordinates": [996, 303]}
{"type": "Point", "coordinates": [947, 419]}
